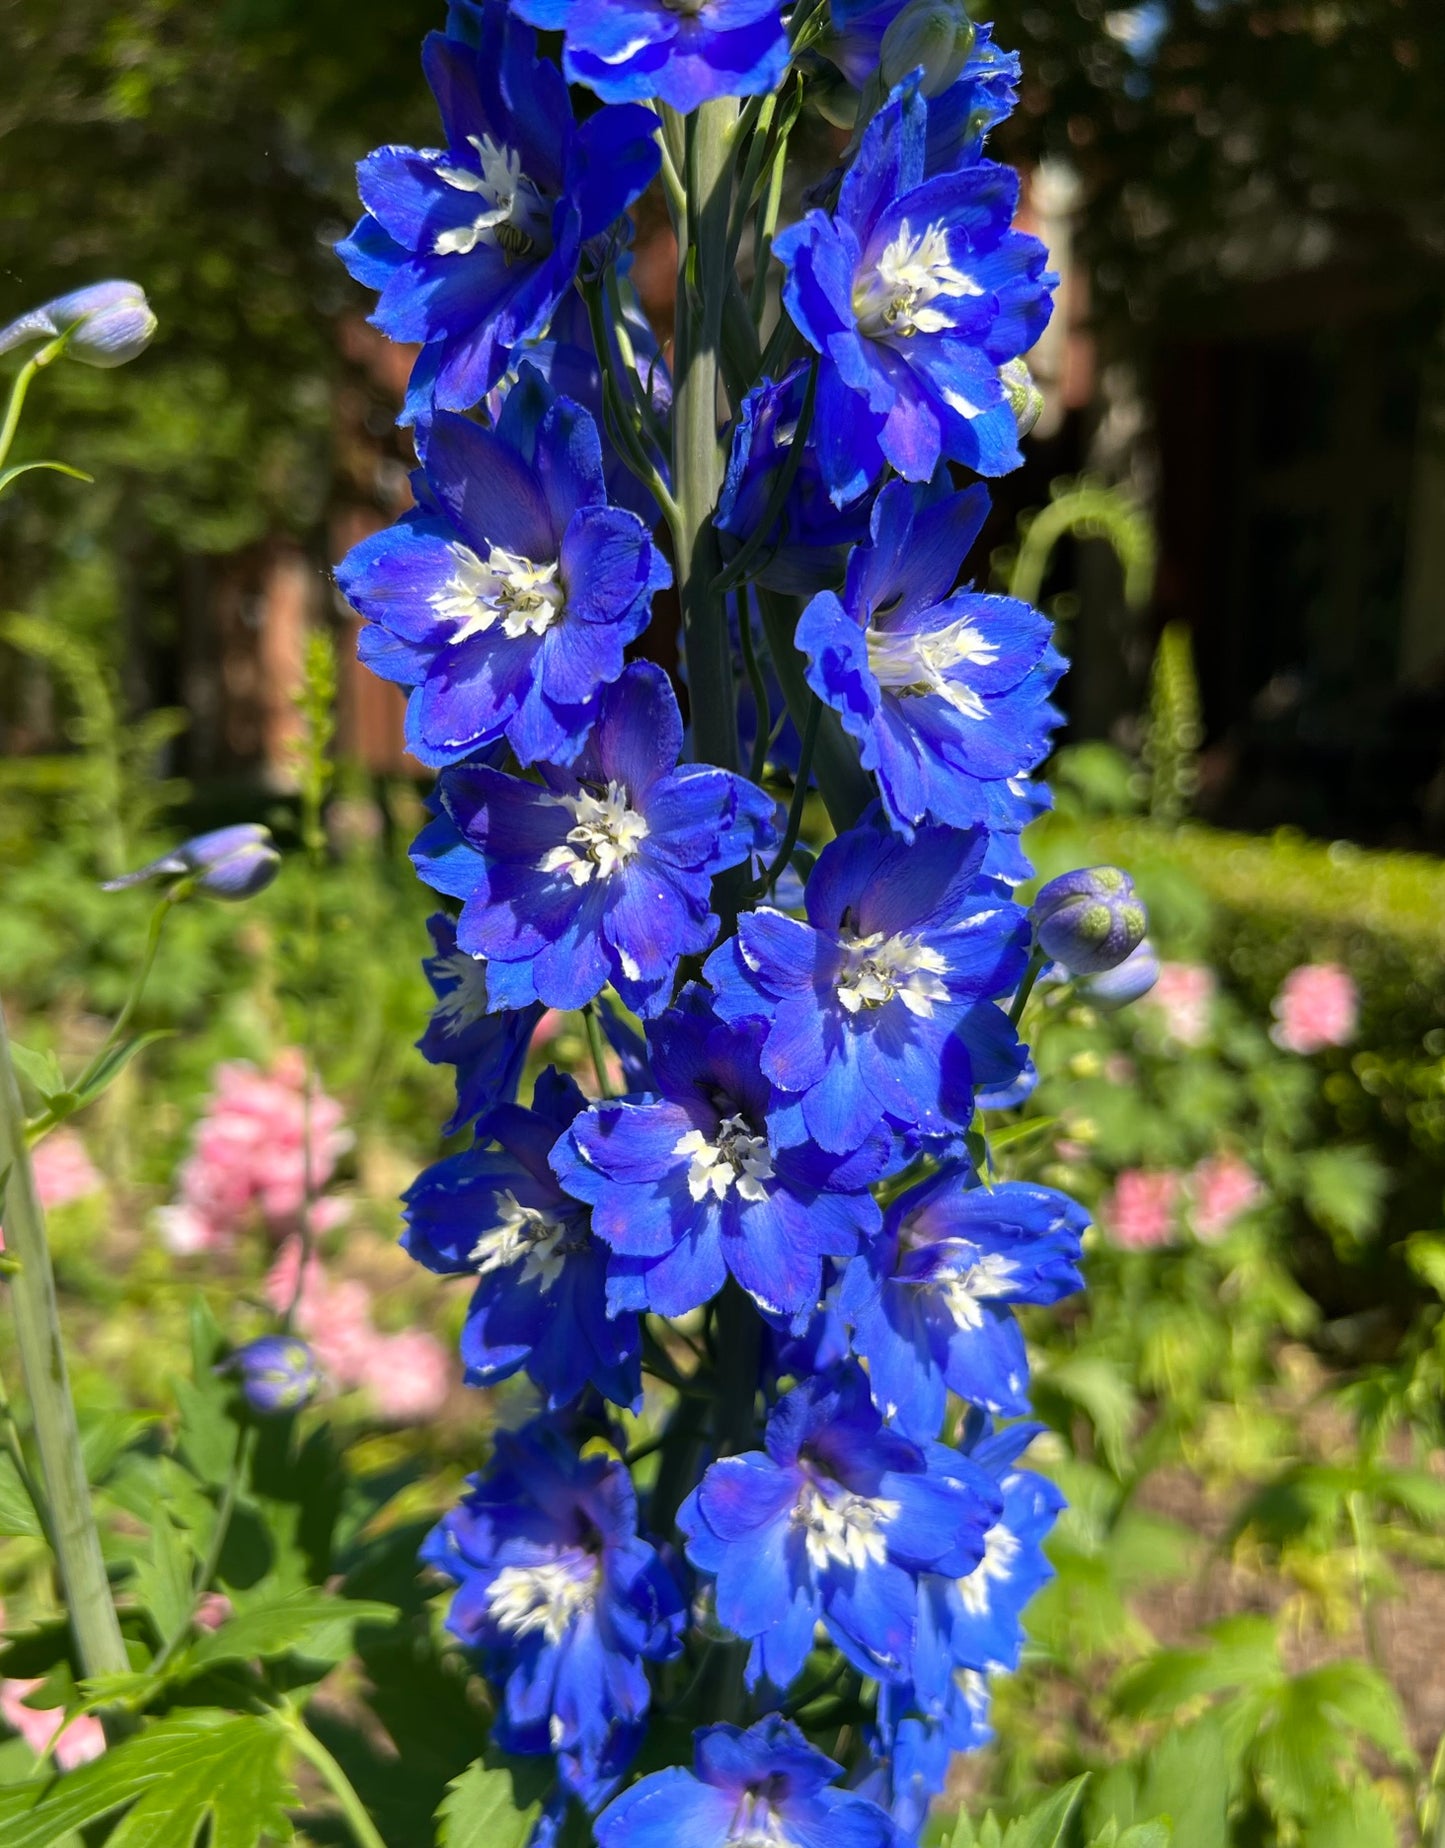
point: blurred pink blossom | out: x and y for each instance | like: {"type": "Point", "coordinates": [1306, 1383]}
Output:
{"type": "Point", "coordinates": [1184, 994]}
{"type": "Point", "coordinates": [408, 1376]}
{"type": "Point", "coordinates": [1317, 1005]}
{"type": "Point", "coordinates": [248, 1156]}
{"type": "Point", "coordinates": [1222, 1188]}
{"type": "Point", "coordinates": [63, 1171]}
{"type": "Point", "coordinates": [81, 1741]}
{"type": "Point", "coordinates": [1138, 1211]}
{"type": "Point", "coordinates": [213, 1610]}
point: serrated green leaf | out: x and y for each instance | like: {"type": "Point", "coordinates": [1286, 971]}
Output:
{"type": "Point", "coordinates": [1244, 1651]}
{"type": "Point", "coordinates": [106, 1436]}
{"type": "Point", "coordinates": [163, 1577]}
{"type": "Point", "coordinates": [17, 1512]}
{"type": "Point", "coordinates": [1187, 1777]}
{"type": "Point", "coordinates": [40, 1070]}
{"type": "Point", "coordinates": [114, 1063]}
{"type": "Point", "coordinates": [1101, 1391]}
{"type": "Point", "coordinates": [207, 1434]}
{"type": "Point", "coordinates": [310, 1623]}
{"type": "Point", "coordinates": [1045, 1826]}
{"type": "Point", "coordinates": [493, 1804]}
{"type": "Point", "coordinates": [178, 1772]}
{"type": "Point", "coordinates": [1358, 1819]}
{"type": "Point", "coordinates": [1147, 1835]}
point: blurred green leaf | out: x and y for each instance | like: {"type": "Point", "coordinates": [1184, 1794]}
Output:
{"type": "Point", "coordinates": [308, 1623]}
{"type": "Point", "coordinates": [493, 1804]}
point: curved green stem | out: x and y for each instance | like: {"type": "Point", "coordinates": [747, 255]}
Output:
{"type": "Point", "coordinates": [24, 379]}
{"type": "Point", "coordinates": [596, 1045]}
{"type": "Point", "coordinates": [335, 1779]}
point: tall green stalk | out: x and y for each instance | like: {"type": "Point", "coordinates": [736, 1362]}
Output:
{"type": "Point", "coordinates": [73, 1531]}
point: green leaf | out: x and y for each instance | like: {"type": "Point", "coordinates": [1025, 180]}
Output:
{"type": "Point", "coordinates": [308, 1623]}
{"type": "Point", "coordinates": [1101, 1391]}
{"type": "Point", "coordinates": [40, 1070]}
{"type": "Point", "coordinates": [176, 1773]}
{"type": "Point", "coordinates": [1359, 1819]}
{"type": "Point", "coordinates": [1011, 1134]}
{"type": "Point", "coordinates": [17, 1515]}
{"type": "Point", "coordinates": [1045, 1827]}
{"type": "Point", "coordinates": [17, 469]}
{"type": "Point", "coordinates": [493, 1804]}
{"type": "Point", "coordinates": [1147, 1835]}
{"type": "Point", "coordinates": [163, 1578]}
{"type": "Point", "coordinates": [1186, 1777]}
{"type": "Point", "coordinates": [1344, 1192]}
{"type": "Point", "coordinates": [1244, 1653]}
{"type": "Point", "coordinates": [114, 1063]}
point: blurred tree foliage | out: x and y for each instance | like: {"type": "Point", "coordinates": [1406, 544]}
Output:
{"type": "Point", "coordinates": [1224, 139]}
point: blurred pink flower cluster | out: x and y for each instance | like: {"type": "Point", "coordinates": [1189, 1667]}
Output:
{"type": "Point", "coordinates": [248, 1157]}
{"type": "Point", "coordinates": [81, 1741]}
{"type": "Point", "coordinates": [1184, 995]}
{"type": "Point", "coordinates": [63, 1171]}
{"type": "Point", "coordinates": [1317, 1006]}
{"type": "Point", "coordinates": [1141, 1211]}
{"type": "Point", "coordinates": [407, 1375]}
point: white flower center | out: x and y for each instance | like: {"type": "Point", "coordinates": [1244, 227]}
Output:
{"type": "Point", "coordinates": [839, 1527]}
{"type": "Point", "coordinates": [515, 217]}
{"type": "Point", "coordinates": [963, 1290]}
{"type": "Point", "coordinates": [925, 661]}
{"type": "Point", "coordinates": [524, 598]}
{"type": "Point", "coordinates": [737, 1158]}
{"type": "Point", "coordinates": [757, 1825]}
{"type": "Point", "coordinates": [463, 1006]}
{"type": "Point", "coordinates": [531, 1236]}
{"type": "Point", "coordinates": [606, 836]}
{"type": "Point", "coordinates": [1000, 1550]}
{"type": "Point", "coordinates": [913, 271]}
{"type": "Point", "coordinates": [548, 1597]}
{"type": "Point", "coordinates": [881, 969]}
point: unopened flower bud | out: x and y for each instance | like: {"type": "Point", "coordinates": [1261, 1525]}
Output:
{"type": "Point", "coordinates": [278, 1373]}
{"type": "Point", "coordinates": [1025, 399]}
{"type": "Point", "coordinates": [1089, 920]}
{"type": "Point", "coordinates": [108, 323]}
{"type": "Point", "coordinates": [936, 35]}
{"type": "Point", "coordinates": [234, 862]}
{"type": "Point", "coordinates": [1126, 982]}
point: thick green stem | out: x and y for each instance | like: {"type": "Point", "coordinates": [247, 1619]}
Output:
{"type": "Point", "coordinates": [844, 784]}
{"type": "Point", "coordinates": [75, 1539]}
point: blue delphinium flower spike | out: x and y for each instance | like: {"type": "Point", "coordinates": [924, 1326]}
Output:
{"type": "Point", "coordinates": [766, 1787]}
{"type": "Point", "coordinates": [563, 1601]}
{"type": "Point", "coordinates": [505, 600]}
{"type": "Point", "coordinates": [684, 1186]}
{"type": "Point", "coordinates": [497, 1213]}
{"type": "Point", "coordinates": [602, 872]}
{"type": "Point", "coordinates": [946, 692]}
{"type": "Point", "coordinates": [473, 246]}
{"type": "Point", "coordinates": [832, 1524]}
{"type": "Point", "coordinates": [488, 1049]}
{"type": "Point", "coordinates": [877, 1003]}
{"type": "Point", "coordinates": [914, 293]}
{"type": "Point", "coordinates": [683, 52]}
{"type": "Point", "coordinates": [929, 1302]}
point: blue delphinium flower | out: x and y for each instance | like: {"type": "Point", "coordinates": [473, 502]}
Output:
{"type": "Point", "coordinates": [946, 692]}
{"type": "Point", "coordinates": [473, 246]}
{"type": "Point", "coordinates": [603, 871]}
{"type": "Point", "coordinates": [497, 1213]}
{"type": "Point", "coordinates": [877, 1003]}
{"type": "Point", "coordinates": [684, 1186]}
{"type": "Point", "coordinates": [930, 1301]}
{"type": "Point", "coordinates": [562, 1600]}
{"type": "Point", "coordinates": [832, 1524]}
{"type": "Point", "coordinates": [914, 293]}
{"type": "Point", "coordinates": [505, 600]}
{"type": "Point", "coordinates": [763, 1788]}
{"type": "Point", "coordinates": [683, 52]}
{"type": "Point", "coordinates": [488, 1049]}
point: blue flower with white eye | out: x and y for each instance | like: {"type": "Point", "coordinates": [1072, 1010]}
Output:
{"type": "Point", "coordinates": [505, 600]}
{"type": "Point", "coordinates": [930, 1302]}
{"type": "Point", "coordinates": [472, 246]}
{"type": "Point", "coordinates": [497, 1213]}
{"type": "Point", "coordinates": [563, 1602]}
{"type": "Point", "coordinates": [974, 1623]}
{"type": "Point", "coordinates": [946, 691]}
{"type": "Point", "coordinates": [763, 1788]}
{"type": "Point", "coordinates": [488, 1049]}
{"type": "Point", "coordinates": [832, 1524]}
{"type": "Point", "coordinates": [914, 292]}
{"type": "Point", "coordinates": [877, 1005]}
{"type": "Point", "coordinates": [683, 52]}
{"type": "Point", "coordinates": [685, 1186]}
{"type": "Point", "coordinates": [602, 872]}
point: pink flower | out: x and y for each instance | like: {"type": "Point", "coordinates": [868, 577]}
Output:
{"type": "Point", "coordinates": [63, 1170]}
{"type": "Point", "coordinates": [1317, 1005]}
{"type": "Point", "coordinates": [335, 1317]}
{"type": "Point", "coordinates": [1222, 1188]}
{"type": "Point", "coordinates": [1138, 1211]}
{"type": "Point", "coordinates": [249, 1155]}
{"type": "Point", "coordinates": [408, 1376]}
{"type": "Point", "coordinates": [1184, 994]}
{"type": "Point", "coordinates": [213, 1610]}
{"type": "Point", "coordinates": [81, 1741]}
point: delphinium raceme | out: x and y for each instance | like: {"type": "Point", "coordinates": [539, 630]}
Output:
{"type": "Point", "coordinates": [763, 1288]}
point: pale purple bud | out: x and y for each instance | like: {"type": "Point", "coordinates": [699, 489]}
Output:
{"type": "Point", "coordinates": [108, 323]}
{"type": "Point", "coordinates": [233, 862]}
